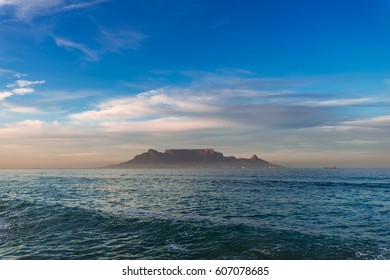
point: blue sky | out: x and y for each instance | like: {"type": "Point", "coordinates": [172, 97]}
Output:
{"type": "Point", "coordinates": [90, 83]}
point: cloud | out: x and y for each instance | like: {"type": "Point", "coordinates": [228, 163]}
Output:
{"type": "Point", "coordinates": [5, 71]}
{"type": "Point", "coordinates": [105, 41]}
{"type": "Point", "coordinates": [339, 102]}
{"type": "Point", "coordinates": [382, 122]}
{"type": "Point", "coordinates": [236, 114]}
{"type": "Point", "coordinates": [25, 83]}
{"type": "Point", "coordinates": [5, 94]}
{"type": "Point", "coordinates": [22, 91]}
{"type": "Point", "coordinates": [91, 55]}
{"type": "Point", "coordinates": [152, 104]}
{"type": "Point", "coordinates": [83, 5]}
{"type": "Point", "coordinates": [20, 75]}
{"type": "Point", "coordinates": [27, 10]}
{"type": "Point", "coordinates": [18, 109]}
{"type": "Point", "coordinates": [164, 125]}
{"type": "Point", "coordinates": [226, 99]}
{"type": "Point", "coordinates": [27, 128]}
{"type": "Point", "coordinates": [20, 87]}
{"type": "Point", "coordinates": [109, 41]}
{"type": "Point", "coordinates": [116, 40]}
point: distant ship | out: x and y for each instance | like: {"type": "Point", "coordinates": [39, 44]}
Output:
{"type": "Point", "coordinates": [330, 167]}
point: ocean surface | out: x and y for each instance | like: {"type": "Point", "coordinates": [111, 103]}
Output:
{"type": "Point", "coordinates": [195, 214]}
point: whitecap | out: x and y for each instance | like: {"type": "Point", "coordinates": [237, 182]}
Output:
{"type": "Point", "coordinates": [175, 247]}
{"type": "Point", "coordinates": [4, 225]}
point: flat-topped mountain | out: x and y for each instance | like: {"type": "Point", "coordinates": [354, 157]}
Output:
{"type": "Point", "coordinates": [191, 158]}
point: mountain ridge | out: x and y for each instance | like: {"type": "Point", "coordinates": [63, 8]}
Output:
{"type": "Point", "coordinates": [191, 158]}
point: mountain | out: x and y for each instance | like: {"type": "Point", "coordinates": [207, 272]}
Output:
{"type": "Point", "coordinates": [191, 158]}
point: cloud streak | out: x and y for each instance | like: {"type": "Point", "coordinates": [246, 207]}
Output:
{"type": "Point", "coordinates": [83, 5]}
{"type": "Point", "coordinates": [27, 10]}
{"type": "Point", "coordinates": [109, 42]}
{"type": "Point", "coordinates": [90, 55]}
{"type": "Point", "coordinates": [106, 40]}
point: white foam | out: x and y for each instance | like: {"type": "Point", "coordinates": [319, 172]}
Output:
{"type": "Point", "coordinates": [4, 225]}
{"type": "Point", "coordinates": [175, 247]}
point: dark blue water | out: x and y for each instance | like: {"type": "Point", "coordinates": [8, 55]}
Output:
{"type": "Point", "coordinates": [195, 214]}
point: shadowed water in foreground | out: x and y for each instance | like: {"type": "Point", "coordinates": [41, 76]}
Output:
{"type": "Point", "coordinates": [195, 214]}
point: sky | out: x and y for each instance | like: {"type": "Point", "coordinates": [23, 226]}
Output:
{"type": "Point", "coordinates": [91, 83]}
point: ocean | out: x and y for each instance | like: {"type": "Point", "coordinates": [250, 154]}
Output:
{"type": "Point", "coordinates": [281, 213]}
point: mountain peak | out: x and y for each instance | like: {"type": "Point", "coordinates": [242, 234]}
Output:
{"type": "Point", "coordinates": [254, 157]}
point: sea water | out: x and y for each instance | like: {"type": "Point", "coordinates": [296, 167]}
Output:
{"type": "Point", "coordinates": [195, 214]}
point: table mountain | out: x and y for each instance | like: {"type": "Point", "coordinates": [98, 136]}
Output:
{"type": "Point", "coordinates": [191, 158]}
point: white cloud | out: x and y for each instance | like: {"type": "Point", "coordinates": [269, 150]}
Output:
{"type": "Point", "coordinates": [338, 102]}
{"type": "Point", "coordinates": [20, 87]}
{"type": "Point", "coordinates": [375, 122]}
{"type": "Point", "coordinates": [91, 55]}
{"type": "Point", "coordinates": [82, 5]}
{"type": "Point", "coordinates": [20, 75]}
{"type": "Point", "coordinates": [27, 10]}
{"type": "Point", "coordinates": [153, 104]}
{"type": "Point", "coordinates": [110, 41]}
{"type": "Point", "coordinates": [5, 94]}
{"type": "Point", "coordinates": [164, 125]}
{"type": "Point", "coordinates": [21, 109]}
{"type": "Point", "coordinates": [26, 127]}
{"type": "Point", "coordinates": [8, 2]}
{"type": "Point", "coordinates": [25, 83]}
{"type": "Point", "coordinates": [22, 91]}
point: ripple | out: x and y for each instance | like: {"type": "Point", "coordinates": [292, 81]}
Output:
{"type": "Point", "coordinates": [201, 214]}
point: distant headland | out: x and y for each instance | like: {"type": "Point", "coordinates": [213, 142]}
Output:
{"type": "Point", "coordinates": [191, 158]}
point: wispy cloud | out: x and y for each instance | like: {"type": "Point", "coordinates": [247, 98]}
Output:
{"type": "Point", "coordinates": [153, 104]}
{"type": "Point", "coordinates": [108, 42]}
{"type": "Point", "coordinates": [17, 108]}
{"type": "Point", "coordinates": [25, 83]}
{"type": "Point", "coordinates": [122, 39]}
{"type": "Point", "coordinates": [164, 125]}
{"type": "Point", "coordinates": [27, 10]}
{"type": "Point", "coordinates": [105, 40]}
{"type": "Point", "coordinates": [375, 122]}
{"type": "Point", "coordinates": [339, 102]}
{"type": "Point", "coordinates": [83, 5]}
{"type": "Point", "coordinates": [5, 71]}
{"type": "Point", "coordinates": [90, 55]}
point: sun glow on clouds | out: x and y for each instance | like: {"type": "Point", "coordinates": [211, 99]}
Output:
{"type": "Point", "coordinates": [223, 113]}
{"type": "Point", "coordinates": [218, 115]}
{"type": "Point", "coordinates": [152, 104]}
